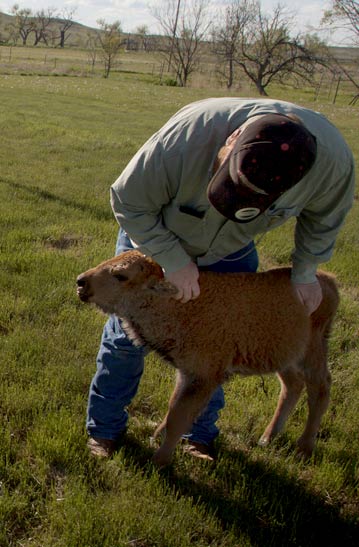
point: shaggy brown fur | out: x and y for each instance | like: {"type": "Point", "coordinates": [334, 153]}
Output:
{"type": "Point", "coordinates": [242, 323]}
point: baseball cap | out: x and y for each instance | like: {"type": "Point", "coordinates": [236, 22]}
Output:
{"type": "Point", "coordinates": [270, 156]}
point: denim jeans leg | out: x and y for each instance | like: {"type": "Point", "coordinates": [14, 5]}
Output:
{"type": "Point", "coordinates": [119, 370]}
{"type": "Point", "coordinates": [204, 429]}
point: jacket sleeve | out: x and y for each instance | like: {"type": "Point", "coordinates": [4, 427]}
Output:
{"type": "Point", "coordinates": [137, 199]}
{"type": "Point", "coordinates": [318, 225]}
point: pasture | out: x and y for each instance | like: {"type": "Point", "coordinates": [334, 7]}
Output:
{"type": "Point", "coordinates": [64, 140]}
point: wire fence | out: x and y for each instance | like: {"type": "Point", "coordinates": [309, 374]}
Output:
{"type": "Point", "coordinates": [41, 61]}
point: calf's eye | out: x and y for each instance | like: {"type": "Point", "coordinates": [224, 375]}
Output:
{"type": "Point", "coordinates": [121, 277]}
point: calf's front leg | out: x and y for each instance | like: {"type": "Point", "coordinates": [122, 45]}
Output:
{"type": "Point", "coordinates": [189, 398]}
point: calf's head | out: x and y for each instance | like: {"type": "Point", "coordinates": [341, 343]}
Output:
{"type": "Point", "coordinates": [107, 284]}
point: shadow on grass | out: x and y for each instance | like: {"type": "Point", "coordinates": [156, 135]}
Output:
{"type": "Point", "coordinates": [255, 501]}
{"type": "Point", "coordinates": [96, 212]}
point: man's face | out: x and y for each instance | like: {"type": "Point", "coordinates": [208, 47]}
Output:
{"type": "Point", "coordinates": [231, 140]}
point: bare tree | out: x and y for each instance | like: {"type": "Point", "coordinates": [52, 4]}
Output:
{"type": "Point", "coordinates": [92, 44]}
{"type": "Point", "coordinates": [265, 51]}
{"type": "Point", "coordinates": [344, 14]}
{"type": "Point", "coordinates": [226, 37]}
{"type": "Point", "coordinates": [42, 22]}
{"type": "Point", "coordinates": [185, 26]}
{"type": "Point", "coordinates": [66, 21]}
{"type": "Point", "coordinates": [110, 40]}
{"type": "Point", "coordinates": [12, 34]}
{"type": "Point", "coordinates": [142, 33]}
{"type": "Point", "coordinates": [24, 23]}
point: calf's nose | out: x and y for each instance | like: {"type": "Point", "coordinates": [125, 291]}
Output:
{"type": "Point", "coordinates": [82, 287]}
{"type": "Point", "coordinates": [81, 281]}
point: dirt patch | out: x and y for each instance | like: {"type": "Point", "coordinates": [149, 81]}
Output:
{"type": "Point", "coordinates": [62, 243]}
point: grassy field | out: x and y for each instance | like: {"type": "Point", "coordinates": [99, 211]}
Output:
{"type": "Point", "coordinates": [46, 61]}
{"type": "Point", "coordinates": [63, 142]}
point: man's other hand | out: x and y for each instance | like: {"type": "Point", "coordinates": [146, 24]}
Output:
{"type": "Point", "coordinates": [310, 294]}
{"type": "Point", "coordinates": [186, 281]}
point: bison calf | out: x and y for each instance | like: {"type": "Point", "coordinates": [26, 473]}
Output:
{"type": "Point", "coordinates": [261, 325]}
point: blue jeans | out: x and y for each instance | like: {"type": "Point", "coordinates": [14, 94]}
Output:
{"type": "Point", "coordinates": [120, 367]}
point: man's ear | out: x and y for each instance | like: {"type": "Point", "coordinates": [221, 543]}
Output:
{"type": "Point", "coordinates": [232, 137]}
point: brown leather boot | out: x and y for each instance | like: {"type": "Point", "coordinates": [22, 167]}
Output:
{"type": "Point", "coordinates": [199, 450]}
{"type": "Point", "coordinates": [101, 448]}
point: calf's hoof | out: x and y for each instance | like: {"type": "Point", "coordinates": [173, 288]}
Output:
{"type": "Point", "coordinates": [264, 440]}
{"type": "Point", "coordinates": [304, 452]}
{"type": "Point", "coordinates": [161, 460]}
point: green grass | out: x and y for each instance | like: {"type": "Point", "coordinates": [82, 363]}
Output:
{"type": "Point", "coordinates": [63, 142]}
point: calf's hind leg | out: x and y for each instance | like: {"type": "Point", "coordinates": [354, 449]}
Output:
{"type": "Point", "coordinates": [318, 382]}
{"type": "Point", "coordinates": [189, 398]}
{"type": "Point", "coordinates": [292, 384]}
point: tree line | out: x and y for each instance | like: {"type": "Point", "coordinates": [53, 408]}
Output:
{"type": "Point", "coordinates": [241, 38]}
{"type": "Point", "coordinates": [46, 26]}
{"type": "Point", "coordinates": [247, 41]}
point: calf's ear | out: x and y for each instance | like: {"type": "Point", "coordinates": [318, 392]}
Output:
{"type": "Point", "coordinates": [161, 287]}
{"type": "Point", "coordinates": [119, 273]}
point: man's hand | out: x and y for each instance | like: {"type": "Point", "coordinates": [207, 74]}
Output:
{"type": "Point", "coordinates": [310, 294]}
{"type": "Point", "coordinates": [186, 281]}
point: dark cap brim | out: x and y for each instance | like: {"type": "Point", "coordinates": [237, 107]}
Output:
{"type": "Point", "coordinates": [229, 198]}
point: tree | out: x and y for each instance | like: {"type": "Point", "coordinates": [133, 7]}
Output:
{"type": "Point", "coordinates": [24, 22]}
{"type": "Point", "coordinates": [66, 23]}
{"type": "Point", "coordinates": [110, 41]}
{"type": "Point", "coordinates": [184, 26]}
{"type": "Point", "coordinates": [12, 33]}
{"type": "Point", "coordinates": [42, 22]}
{"type": "Point", "coordinates": [2, 39]}
{"type": "Point", "coordinates": [226, 37]}
{"type": "Point", "coordinates": [92, 44]}
{"type": "Point", "coordinates": [142, 33]}
{"type": "Point", "coordinates": [264, 49]}
{"type": "Point", "coordinates": [344, 13]}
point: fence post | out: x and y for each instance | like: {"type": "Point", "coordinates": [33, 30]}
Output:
{"type": "Point", "coordinates": [319, 86]}
{"type": "Point", "coordinates": [161, 70]}
{"type": "Point", "coordinates": [331, 86]}
{"type": "Point", "coordinates": [337, 89]}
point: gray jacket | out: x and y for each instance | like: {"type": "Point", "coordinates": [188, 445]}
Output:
{"type": "Point", "coordinates": [160, 198]}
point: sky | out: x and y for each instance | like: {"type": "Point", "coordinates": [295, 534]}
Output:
{"type": "Point", "coordinates": [133, 13]}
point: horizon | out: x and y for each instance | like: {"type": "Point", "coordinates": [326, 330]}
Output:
{"type": "Point", "coordinates": [134, 13]}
